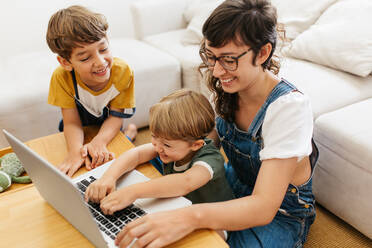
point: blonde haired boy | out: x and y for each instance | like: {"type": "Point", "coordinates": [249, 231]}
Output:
{"type": "Point", "coordinates": [192, 165]}
{"type": "Point", "coordinates": [90, 86]}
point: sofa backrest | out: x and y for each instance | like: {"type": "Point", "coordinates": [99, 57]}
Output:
{"type": "Point", "coordinates": [24, 23]}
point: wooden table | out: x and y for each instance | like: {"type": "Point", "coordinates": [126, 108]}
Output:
{"type": "Point", "coordinates": [27, 220]}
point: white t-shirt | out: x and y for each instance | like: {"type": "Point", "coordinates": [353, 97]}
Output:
{"type": "Point", "coordinates": [287, 128]}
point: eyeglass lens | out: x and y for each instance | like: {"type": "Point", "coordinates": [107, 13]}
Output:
{"type": "Point", "coordinates": [225, 61]}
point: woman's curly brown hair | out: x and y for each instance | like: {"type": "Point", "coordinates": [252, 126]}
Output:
{"type": "Point", "coordinates": [245, 22]}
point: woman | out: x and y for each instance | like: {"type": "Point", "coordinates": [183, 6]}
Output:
{"type": "Point", "coordinates": [265, 127]}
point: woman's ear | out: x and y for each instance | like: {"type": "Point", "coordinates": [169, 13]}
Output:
{"type": "Point", "coordinates": [65, 63]}
{"type": "Point", "coordinates": [264, 53]}
{"type": "Point", "coordinates": [196, 145]}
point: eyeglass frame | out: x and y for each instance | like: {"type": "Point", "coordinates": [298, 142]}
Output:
{"type": "Point", "coordinates": [215, 58]}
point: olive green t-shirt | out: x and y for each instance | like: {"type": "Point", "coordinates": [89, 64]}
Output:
{"type": "Point", "coordinates": [217, 189]}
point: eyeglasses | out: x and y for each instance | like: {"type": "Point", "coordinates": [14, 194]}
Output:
{"type": "Point", "coordinates": [229, 63]}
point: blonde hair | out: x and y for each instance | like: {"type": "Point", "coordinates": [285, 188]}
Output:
{"type": "Point", "coordinates": [75, 24]}
{"type": "Point", "coordinates": [182, 115]}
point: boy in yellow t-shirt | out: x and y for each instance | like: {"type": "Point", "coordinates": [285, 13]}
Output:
{"type": "Point", "coordinates": [90, 86]}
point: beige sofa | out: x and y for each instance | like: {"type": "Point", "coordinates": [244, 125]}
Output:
{"type": "Point", "coordinates": [329, 58]}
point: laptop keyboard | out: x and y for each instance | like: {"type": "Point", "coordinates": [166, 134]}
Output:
{"type": "Point", "coordinates": [110, 224]}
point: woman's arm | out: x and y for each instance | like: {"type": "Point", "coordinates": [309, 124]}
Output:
{"type": "Point", "coordinates": [259, 208]}
{"type": "Point", "coordinates": [255, 210]}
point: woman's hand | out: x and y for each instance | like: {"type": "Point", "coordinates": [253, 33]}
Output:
{"type": "Point", "coordinates": [158, 229]}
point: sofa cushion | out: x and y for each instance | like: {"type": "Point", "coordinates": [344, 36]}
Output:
{"type": "Point", "coordinates": [23, 103]}
{"type": "Point", "coordinates": [188, 55]}
{"type": "Point", "coordinates": [156, 74]}
{"type": "Point", "coordinates": [195, 15]}
{"type": "Point", "coordinates": [343, 178]}
{"type": "Point", "coordinates": [297, 16]}
{"type": "Point", "coordinates": [327, 88]}
{"type": "Point", "coordinates": [340, 39]}
{"type": "Point", "coordinates": [31, 72]}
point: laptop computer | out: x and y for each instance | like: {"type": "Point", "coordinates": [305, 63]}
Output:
{"type": "Point", "coordinates": [66, 196]}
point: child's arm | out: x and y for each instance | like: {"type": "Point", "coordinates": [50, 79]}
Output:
{"type": "Point", "coordinates": [178, 184]}
{"type": "Point", "coordinates": [126, 162]}
{"type": "Point", "coordinates": [74, 136]}
{"type": "Point", "coordinates": [97, 147]}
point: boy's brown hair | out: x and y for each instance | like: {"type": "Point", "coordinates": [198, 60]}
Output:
{"type": "Point", "coordinates": [75, 24]}
{"type": "Point", "coordinates": [182, 115]}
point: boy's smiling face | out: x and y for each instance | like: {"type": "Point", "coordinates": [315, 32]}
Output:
{"type": "Point", "coordinates": [92, 62]}
{"type": "Point", "coordinates": [174, 150]}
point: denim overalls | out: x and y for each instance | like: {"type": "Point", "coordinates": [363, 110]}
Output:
{"type": "Point", "coordinates": [89, 119]}
{"type": "Point", "coordinates": [291, 224]}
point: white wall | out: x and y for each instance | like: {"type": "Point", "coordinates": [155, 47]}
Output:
{"type": "Point", "coordinates": [24, 22]}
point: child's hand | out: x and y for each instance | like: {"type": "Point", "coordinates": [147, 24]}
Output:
{"type": "Point", "coordinates": [117, 200]}
{"type": "Point", "coordinates": [98, 153]}
{"type": "Point", "coordinates": [99, 189]}
{"type": "Point", "coordinates": [71, 164]}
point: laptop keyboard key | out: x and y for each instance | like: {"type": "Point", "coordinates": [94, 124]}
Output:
{"type": "Point", "coordinates": [123, 218]}
{"type": "Point", "coordinates": [111, 218]}
{"type": "Point", "coordinates": [81, 187]}
{"type": "Point", "coordinates": [85, 182]}
{"type": "Point", "coordinates": [118, 223]}
{"type": "Point", "coordinates": [141, 212]}
{"type": "Point", "coordinates": [110, 224]}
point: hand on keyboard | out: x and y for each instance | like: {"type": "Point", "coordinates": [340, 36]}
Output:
{"type": "Point", "coordinates": [99, 189]}
{"type": "Point", "coordinates": [118, 200]}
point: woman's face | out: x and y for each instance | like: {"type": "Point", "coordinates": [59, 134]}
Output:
{"type": "Point", "coordinates": [246, 73]}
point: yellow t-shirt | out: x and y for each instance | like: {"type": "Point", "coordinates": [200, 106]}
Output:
{"type": "Point", "coordinates": [118, 93]}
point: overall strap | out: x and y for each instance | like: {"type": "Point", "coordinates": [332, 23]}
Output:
{"type": "Point", "coordinates": [282, 88]}
{"type": "Point", "coordinates": [121, 114]}
{"type": "Point", "coordinates": [75, 84]}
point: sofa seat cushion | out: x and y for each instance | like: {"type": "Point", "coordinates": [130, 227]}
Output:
{"type": "Point", "coordinates": [188, 55]}
{"type": "Point", "coordinates": [328, 89]}
{"type": "Point", "coordinates": [24, 91]}
{"type": "Point", "coordinates": [29, 74]}
{"type": "Point", "coordinates": [343, 177]}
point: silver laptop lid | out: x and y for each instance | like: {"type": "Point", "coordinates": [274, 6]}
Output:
{"type": "Point", "coordinates": [57, 189]}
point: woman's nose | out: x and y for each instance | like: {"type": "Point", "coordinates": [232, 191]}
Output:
{"type": "Point", "coordinates": [218, 70]}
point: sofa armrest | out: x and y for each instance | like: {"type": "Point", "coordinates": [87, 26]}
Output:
{"type": "Point", "coordinates": [157, 16]}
